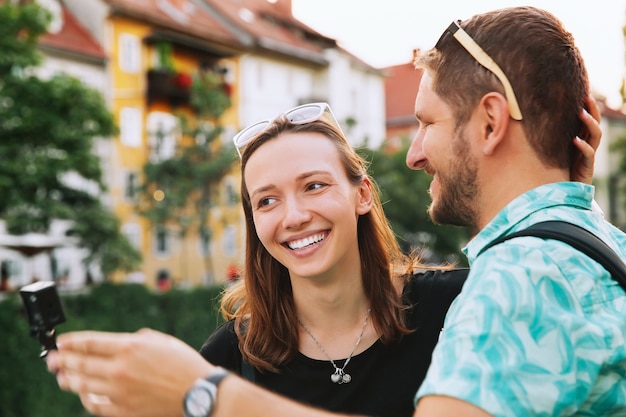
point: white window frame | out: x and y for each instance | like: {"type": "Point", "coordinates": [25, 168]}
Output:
{"type": "Point", "coordinates": [132, 231]}
{"type": "Point", "coordinates": [129, 49]}
{"type": "Point", "coordinates": [169, 125]}
{"type": "Point", "coordinates": [130, 126]}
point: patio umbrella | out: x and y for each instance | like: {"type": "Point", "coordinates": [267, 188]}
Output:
{"type": "Point", "coordinates": [31, 244]}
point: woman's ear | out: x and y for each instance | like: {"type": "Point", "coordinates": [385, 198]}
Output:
{"type": "Point", "coordinates": [495, 121]}
{"type": "Point", "coordinates": [365, 198]}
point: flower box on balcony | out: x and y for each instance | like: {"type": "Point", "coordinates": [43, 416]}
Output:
{"type": "Point", "coordinates": [173, 88]}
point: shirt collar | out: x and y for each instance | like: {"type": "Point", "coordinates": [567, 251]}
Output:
{"type": "Point", "coordinates": [531, 207]}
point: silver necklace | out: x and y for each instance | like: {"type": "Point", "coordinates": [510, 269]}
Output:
{"type": "Point", "coordinates": [339, 376]}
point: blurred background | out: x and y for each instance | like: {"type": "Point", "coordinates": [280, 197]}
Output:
{"type": "Point", "coordinates": [119, 181]}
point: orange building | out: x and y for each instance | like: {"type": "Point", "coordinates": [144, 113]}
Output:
{"type": "Point", "coordinates": [401, 85]}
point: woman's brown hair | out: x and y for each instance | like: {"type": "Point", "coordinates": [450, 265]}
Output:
{"type": "Point", "coordinates": [262, 302]}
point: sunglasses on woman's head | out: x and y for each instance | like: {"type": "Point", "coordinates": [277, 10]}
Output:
{"type": "Point", "coordinates": [301, 115]}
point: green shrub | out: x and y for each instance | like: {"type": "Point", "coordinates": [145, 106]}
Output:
{"type": "Point", "coordinates": [27, 389]}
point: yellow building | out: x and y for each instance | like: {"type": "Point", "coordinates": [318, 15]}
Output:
{"type": "Point", "coordinates": [270, 62]}
{"type": "Point", "coordinates": [155, 48]}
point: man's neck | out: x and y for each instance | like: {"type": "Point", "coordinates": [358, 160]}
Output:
{"type": "Point", "coordinates": [504, 183]}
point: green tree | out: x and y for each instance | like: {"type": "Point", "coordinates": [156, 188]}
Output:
{"type": "Point", "coordinates": [616, 183]}
{"type": "Point", "coordinates": [405, 198]}
{"type": "Point", "coordinates": [47, 130]}
{"type": "Point", "coordinates": [180, 190]}
{"type": "Point", "coordinates": [616, 180]}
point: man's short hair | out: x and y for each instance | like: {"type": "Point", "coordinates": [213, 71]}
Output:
{"type": "Point", "coordinates": [537, 55]}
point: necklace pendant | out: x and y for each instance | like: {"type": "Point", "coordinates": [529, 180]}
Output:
{"type": "Point", "coordinates": [340, 377]}
{"type": "Point", "coordinates": [337, 377]}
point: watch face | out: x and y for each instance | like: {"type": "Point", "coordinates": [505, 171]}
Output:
{"type": "Point", "coordinates": [199, 402]}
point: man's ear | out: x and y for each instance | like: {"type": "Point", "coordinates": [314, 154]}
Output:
{"type": "Point", "coordinates": [494, 111]}
{"type": "Point", "coordinates": [366, 197]}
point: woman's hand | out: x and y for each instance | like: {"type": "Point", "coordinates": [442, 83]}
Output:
{"type": "Point", "coordinates": [583, 160]}
{"type": "Point", "coordinates": [142, 374]}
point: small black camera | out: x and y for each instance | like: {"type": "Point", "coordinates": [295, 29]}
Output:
{"type": "Point", "coordinates": [45, 312]}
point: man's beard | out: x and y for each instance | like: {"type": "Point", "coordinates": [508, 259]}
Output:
{"type": "Point", "coordinates": [458, 188]}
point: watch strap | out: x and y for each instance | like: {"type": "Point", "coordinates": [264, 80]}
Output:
{"type": "Point", "coordinates": [216, 377]}
{"type": "Point", "coordinates": [208, 384]}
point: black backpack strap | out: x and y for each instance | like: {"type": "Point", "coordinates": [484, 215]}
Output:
{"type": "Point", "coordinates": [578, 238]}
{"type": "Point", "coordinates": [247, 371]}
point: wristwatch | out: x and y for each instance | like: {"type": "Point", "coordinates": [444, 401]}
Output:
{"type": "Point", "coordinates": [200, 399]}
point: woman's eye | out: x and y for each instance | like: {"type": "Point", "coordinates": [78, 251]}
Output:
{"type": "Point", "coordinates": [264, 202]}
{"type": "Point", "coordinates": [315, 186]}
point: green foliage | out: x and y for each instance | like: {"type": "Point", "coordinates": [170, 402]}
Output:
{"type": "Point", "coordinates": [619, 147]}
{"type": "Point", "coordinates": [99, 230]}
{"type": "Point", "coordinates": [210, 95]}
{"type": "Point", "coordinates": [45, 136]}
{"type": "Point", "coordinates": [187, 181]}
{"type": "Point", "coordinates": [48, 128]}
{"type": "Point", "coordinates": [165, 60]}
{"type": "Point", "coordinates": [405, 198]}
{"type": "Point", "coordinates": [20, 28]}
{"type": "Point", "coordinates": [29, 390]}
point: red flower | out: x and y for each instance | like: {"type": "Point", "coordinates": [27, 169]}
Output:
{"type": "Point", "coordinates": [182, 80]}
{"type": "Point", "coordinates": [232, 273]}
{"type": "Point", "coordinates": [227, 88]}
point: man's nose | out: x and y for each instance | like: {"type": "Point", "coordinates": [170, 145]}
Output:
{"type": "Point", "coordinates": [415, 158]}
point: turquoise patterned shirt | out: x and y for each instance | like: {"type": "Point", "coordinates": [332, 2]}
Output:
{"type": "Point", "coordinates": [539, 328]}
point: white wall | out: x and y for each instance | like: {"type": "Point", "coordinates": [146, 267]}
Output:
{"type": "Point", "coordinates": [269, 87]}
{"type": "Point", "coordinates": [357, 92]}
{"type": "Point", "coordinates": [90, 74]}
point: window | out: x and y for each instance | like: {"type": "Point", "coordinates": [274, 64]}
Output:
{"type": "Point", "coordinates": [230, 194]}
{"type": "Point", "coordinates": [130, 186]}
{"type": "Point", "coordinates": [129, 53]}
{"type": "Point", "coordinates": [132, 231]}
{"type": "Point", "coordinates": [205, 241]}
{"type": "Point", "coordinates": [228, 240]}
{"type": "Point", "coordinates": [162, 135]}
{"type": "Point", "coordinates": [161, 241]}
{"type": "Point", "coordinates": [130, 126]}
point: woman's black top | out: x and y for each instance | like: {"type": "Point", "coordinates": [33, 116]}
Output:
{"type": "Point", "coordinates": [385, 378]}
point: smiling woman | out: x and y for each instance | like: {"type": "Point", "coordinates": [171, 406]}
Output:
{"type": "Point", "coordinates": [324, 272]}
